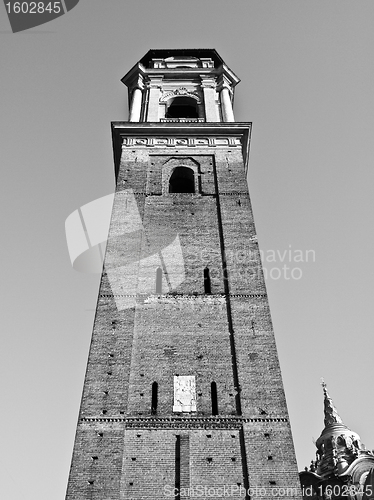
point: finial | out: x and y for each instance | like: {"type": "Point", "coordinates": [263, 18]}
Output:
{"type": "Point", "coordinates": [331, 414]}
{"type": "Point", "coordinates": [323, 383]}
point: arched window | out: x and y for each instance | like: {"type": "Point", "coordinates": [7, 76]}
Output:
{"type": "Point", "coordinates": [154, 398]}
{"type": "Point", "coordinates": [213, 392]}
{"type": "Point", "coordinates": [159, 280]}
{"type": "Point", "coordinates": [182, 107]}
{"type": "Point", "coordinates": [207, 287]}
{"type": "Point", "coordinates": [182, 180]}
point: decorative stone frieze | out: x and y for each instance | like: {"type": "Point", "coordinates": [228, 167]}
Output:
{"type": "Point", "coordinates": [194, 141]}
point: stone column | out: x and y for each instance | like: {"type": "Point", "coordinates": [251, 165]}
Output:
{"type": "Point", "coordinates": [154, 92]}
{"type": "Point", "coordinates": [136, 100]}
{"type": "Point", "coordinates": [136, 105]}
{"type": "Point", "coordinates": [226, 105]}
{"type": "Point", "coordinates": [210, 106]}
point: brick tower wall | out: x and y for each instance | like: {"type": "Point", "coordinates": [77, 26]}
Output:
{"type": "Point", "coordinates": [141, 337]}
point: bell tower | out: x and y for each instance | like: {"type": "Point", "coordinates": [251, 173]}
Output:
{"type": "Point", "coordinates": [183, 393]}
{"type": "Point", "coordinates": [183, 85]}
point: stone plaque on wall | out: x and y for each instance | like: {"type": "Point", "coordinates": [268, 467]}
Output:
{"type": "Point", "coordinates": [184, 393]}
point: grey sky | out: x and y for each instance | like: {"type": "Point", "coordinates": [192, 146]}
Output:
{"type": "Point", "coordinates": [307, 85]}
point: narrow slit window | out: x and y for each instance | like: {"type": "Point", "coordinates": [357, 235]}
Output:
{"type": "Point", "coordinates": [159, 280]}
{"type": "Point", "coordinates": [177, 466]}
{"type": "Point", "coordinates": [182, 180]}
{"type": "Point", "coordinates": [207, 285]}
{"type": "Point", "coordinates": [213, 389]}
{"type": "Point", "coordinates": [154, 398]}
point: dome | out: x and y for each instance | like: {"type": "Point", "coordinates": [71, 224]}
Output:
{"type": "Point", "coordinates": [337, 446]}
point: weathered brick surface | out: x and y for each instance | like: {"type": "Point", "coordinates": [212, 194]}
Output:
{"type": "Point", "coordinates": [141, 337]}
{"type": "Point", "coordinates": [97, 462]}
{"type": "Point", "coordinates": [277, 476]}
{"type": "Point", "coordinates": [176, 336]}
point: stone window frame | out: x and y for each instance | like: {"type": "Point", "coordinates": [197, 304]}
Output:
{"type": "Point", "coordinates": [175, 162]}
{"type": "Point", "coordinates": [181, 92]}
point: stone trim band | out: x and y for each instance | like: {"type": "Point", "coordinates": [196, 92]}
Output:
{"type": "Point", "coordinates": [183, 141]}
{"type": "Point", "coordinates": [185, 423]}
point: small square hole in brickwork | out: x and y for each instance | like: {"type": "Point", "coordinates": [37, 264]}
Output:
{"type": "Point", "coordinates": [104, 412]}
{"type": "Point", "coordinates": [272, 483]}
{"type": "Point", "coordinates": [142, 394]}
{"type": "Point", "coordinates": [209, 459]}
{"type": "Point", "coordinates": [131, 484]}
{"type": "Point", "coordinates": [121, 412]}
{"type": "Point", "coordinates": [208, 435]}
{"type": "Point", "coordinates": [142, 374]}
{"type": "Point", "coordinates": [138, 435]}
{"type": "Point", "coordinates": [233, 459]}
{"type": "Point", "coordinates": [133, 459]}
{"type": "Point", "coordinates": [111, 355]}
{"type": "Point", "coordinates": [100, 434]}
{"type": "Point", "coordinates": [233, 435]}
{"type": "Point", "coordinates": [109, 373]}
{"type": "Point", "coordinates": [95, 458]}
{"type": "Point", "coordinates": [267, 434]}
{"type": "Point", "coordinates": [90, 481]}
{"type": "Point", "coordinates": [270, 457]}
{"type": "Point", "coordinates": [239, 484]}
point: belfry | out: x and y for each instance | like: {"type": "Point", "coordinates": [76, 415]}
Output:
{"type": "Point", "coordinates": [183, 394]}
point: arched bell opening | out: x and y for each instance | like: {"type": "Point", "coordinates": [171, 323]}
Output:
{"type": "Point", "coordinates": [182, 107]}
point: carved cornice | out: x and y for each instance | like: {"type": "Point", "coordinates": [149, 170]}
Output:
{"type": "Point", "coordinates": [138, 83]}
{"type": "Point", "coordinates": [162, 135]}
{"type": "Point", "coordinates": [224, 83]}
{"type": "Point", "coordinates": [130, 142]}
{"type": "Point", "coordinates": [154, 82]}
{"type": "Point", "coordinates": [218, 298]}
{"type": "Point", "coordinates": [229, 423]}
{"type": "Point", "coordinates": [208, 83]}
